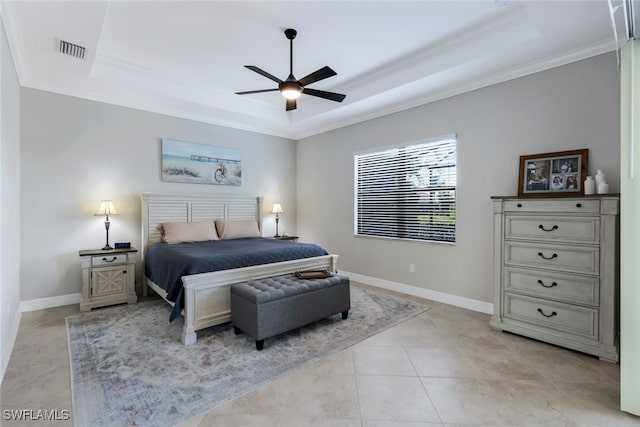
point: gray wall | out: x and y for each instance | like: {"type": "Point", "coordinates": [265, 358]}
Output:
{"type": "Point", "coordinates": [75, 153]}
{"type": "Point", "coordinates": [9, 202]}
{"type": "Point", "coordinates": [569, 107]}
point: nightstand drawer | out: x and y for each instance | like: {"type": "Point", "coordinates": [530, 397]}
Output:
{"type": "Point", "coordinates": [574, 259]}
{"type": "Point", "coordinates": [569, 206]}
{"type": "Point", "coordinates": [108, 259]}
{"type": "Point", "coordinates": [553, 228]}
{"type": "Point", "coordinates": [550, 285]}
{"type": "Point", "coordinates": [563, 317]}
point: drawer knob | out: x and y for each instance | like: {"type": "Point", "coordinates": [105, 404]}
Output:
{"type": "Point", "coordinates": [519, 205]}
{"type": "Point", "coordinates": [541, 227]}
{"type": "Point", "coordinates": [541, 255]}
{"type": "Point", "coordinates": [578, 205]}
{"type": "Point", "coordinates": [553, 313]}
{"type": "Point", "coordinates": [547, 286]}
{"type": "Point", "coordinates": [111, 260]}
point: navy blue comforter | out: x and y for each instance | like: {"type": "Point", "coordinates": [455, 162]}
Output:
{"type": "Point", "coordinates": [166, 264]}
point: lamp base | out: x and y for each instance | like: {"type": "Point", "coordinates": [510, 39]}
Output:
{"type": "Point", "coordinates": [277, 235]}
{"type": "Point", "coordinates": [106, 226]}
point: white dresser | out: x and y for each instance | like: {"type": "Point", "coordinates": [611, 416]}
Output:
{"type": "Point", "coordinates": [556, 271]}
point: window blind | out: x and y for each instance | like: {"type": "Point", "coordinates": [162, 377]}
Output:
{"type": "Point", "coordinates": [407, 192]}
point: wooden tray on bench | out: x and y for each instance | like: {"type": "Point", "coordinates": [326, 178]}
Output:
{"type": "Point", "coordinates": [313, 274]}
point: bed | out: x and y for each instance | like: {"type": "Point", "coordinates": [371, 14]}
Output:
{"type": "Point", "coordinates": [203, 297]}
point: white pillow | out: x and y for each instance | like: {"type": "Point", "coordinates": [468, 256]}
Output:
{"type": "Point", "coordinates": [199, 231]}
{"type": "Point", "coordinates": [237, 228]}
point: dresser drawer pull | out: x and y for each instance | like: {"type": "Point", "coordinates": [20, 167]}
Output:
{"type": "Point", "coordinates": [106, 260]}
{"type": "Point", "coordinates": [547, 286]}
{"type": "Point", "coordinates": [553, 313]}
{"type": "Point", "coordinates": [541, 255]}
{"type": "Point", "coordinates": [541, 227]}
{"type": "Point", "coordinates": [578, 205]}
{"type": "Point", "coordinates": [519, 205]}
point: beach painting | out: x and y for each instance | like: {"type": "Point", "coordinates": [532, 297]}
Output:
{"type": "Point", "coordinates": [200, 163]}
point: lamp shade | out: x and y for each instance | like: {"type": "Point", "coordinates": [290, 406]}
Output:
{"type": "Point", "coordinates": [277, 209]}
{"type": "Point", "coordinates": [106, 208]}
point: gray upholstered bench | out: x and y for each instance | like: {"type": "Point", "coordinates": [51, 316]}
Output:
{"type": "Point", "coordinates": [267, 307]}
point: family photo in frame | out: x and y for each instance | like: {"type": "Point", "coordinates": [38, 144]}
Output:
{"type": "Point", "coordinates": [560, 173]}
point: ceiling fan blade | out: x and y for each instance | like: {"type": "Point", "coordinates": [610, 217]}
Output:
{"type": "Point", "coordinates": [338, 97]}
{"type": "Point", "coordinates": [247, 92]}
{"type": "Point", "coordinates": [291, 104]}
{"type": "Point", "coordinates": [263, 73]}
{"type": "Point", "coordinates": [321, 74]}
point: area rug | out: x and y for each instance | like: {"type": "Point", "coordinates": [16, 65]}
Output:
{"type": "Point", "coordinates": [128, 366]}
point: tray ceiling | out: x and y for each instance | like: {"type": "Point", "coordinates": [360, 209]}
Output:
{"type": "Point", "coordinates": [186, 59]}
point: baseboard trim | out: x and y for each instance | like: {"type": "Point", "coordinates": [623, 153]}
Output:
{"type": "Point", "coordinates": [50, 302]}
{"type": "Point", "coordinates": [458, 301]}
{"type": "Point", "coordinates": [7, 346]}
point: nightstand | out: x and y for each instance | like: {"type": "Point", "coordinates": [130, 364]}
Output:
{"type": "Point", "coordinates": [292, 238]}
{"type": "Point", "coordinates": [108, 277]}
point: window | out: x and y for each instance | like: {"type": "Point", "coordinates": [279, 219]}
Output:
{"type": "Point", "coordinates": [408, 191]}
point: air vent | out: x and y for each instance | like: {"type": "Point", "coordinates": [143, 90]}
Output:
{"type": "Point", "coordinates": [72, 49]}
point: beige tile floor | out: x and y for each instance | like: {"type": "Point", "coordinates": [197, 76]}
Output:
{"type": "Point", "coordinates": [445, 367]}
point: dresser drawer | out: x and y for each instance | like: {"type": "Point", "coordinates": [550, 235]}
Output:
{"type": "Point", "coordinates": [564, 206]}
{"type": "Point", "coordinates": [550, 285]}
{"type": "Point", "coordinates": [563, 317]}
{"type": "Point", "coordinates": [108, 259]}
{"type": "Point", "coordinates": [573, 259]}
{"type": "Point", "coordinates": [577, 229]}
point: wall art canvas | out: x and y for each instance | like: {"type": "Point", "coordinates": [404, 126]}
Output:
{"type": "Point", "coordinates": [200, 163]}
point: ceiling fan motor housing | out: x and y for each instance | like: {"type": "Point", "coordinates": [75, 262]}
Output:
{"type": "Point", "coordinates": [290, 89]}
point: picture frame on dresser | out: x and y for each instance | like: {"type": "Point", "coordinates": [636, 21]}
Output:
{"type": "Point", "coordinates": [556, 174]}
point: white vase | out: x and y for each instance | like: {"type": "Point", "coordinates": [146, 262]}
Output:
{"type": "Point", "coordinates": [600, 178]}
{"type": "Point", "coordinates": [603, 188]}
{"type": "Point", "coordinates": [589, 185]}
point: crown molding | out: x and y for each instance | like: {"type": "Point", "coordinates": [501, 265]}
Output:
{"type": "Point", "coordinates": [459, 88]}
{"type": "Point", "coordinates": [510, 19]}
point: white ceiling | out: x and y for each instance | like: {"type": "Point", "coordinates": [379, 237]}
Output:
{"type": "Point", "coordinates": [186, 58]}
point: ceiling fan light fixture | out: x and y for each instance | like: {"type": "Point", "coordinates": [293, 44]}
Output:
{"type": "Point", "coordinates": [290, 90]}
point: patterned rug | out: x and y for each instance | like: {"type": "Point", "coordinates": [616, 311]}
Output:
{"type": "Point", "coordinates": [128, 366]}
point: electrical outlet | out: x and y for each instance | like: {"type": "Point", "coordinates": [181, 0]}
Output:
{"type": "Point", "coordinates": [412, 268]}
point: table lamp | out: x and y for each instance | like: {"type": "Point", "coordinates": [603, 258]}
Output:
{"type": "Point", "coordinates": [277, 209]}
{"type": "Point", "coordinates": [106, 208]}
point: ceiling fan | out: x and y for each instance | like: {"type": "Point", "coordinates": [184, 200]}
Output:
{"type": "Point", "coordinates": [291, 88]}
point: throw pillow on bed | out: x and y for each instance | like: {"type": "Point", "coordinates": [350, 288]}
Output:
{"type": "Point", "coordinates": [237, 228]}
{"type": "Point", "coordinates": [178, 232]}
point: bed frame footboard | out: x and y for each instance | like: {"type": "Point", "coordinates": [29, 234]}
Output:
{"type": "Point", "coordinates": [207, 299]}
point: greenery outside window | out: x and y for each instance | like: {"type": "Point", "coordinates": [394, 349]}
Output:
{"type": "Point", "coordinates": [407, 191]}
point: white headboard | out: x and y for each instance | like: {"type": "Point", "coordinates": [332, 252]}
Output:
{"type": "Point", "coordinates": [160, 208]}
